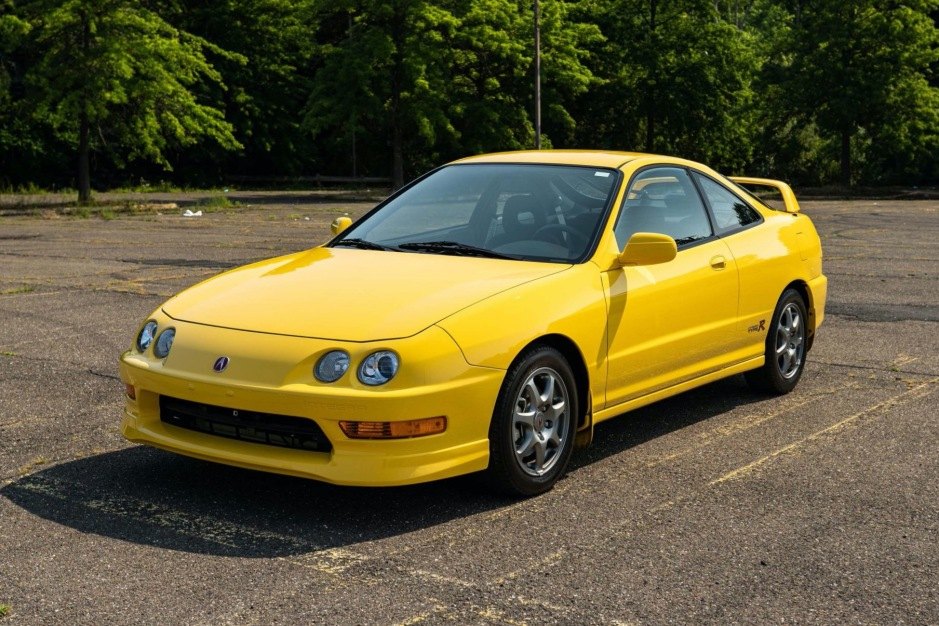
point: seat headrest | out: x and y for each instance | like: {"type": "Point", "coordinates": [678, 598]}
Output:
{"type": "Point", "coordinates": [522, 216]}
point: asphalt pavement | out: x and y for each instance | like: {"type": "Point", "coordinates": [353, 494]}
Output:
{"type": "Point", "coordinates": [716, 506]}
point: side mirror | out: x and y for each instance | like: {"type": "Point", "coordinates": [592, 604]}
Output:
{"type": "Point", "coordinates": [340, 224]}
{"type": "Point", "coordinates": [647, 249]}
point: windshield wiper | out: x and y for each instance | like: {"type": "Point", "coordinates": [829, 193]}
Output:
{"type": "Point", "coordinates": [362, 244]}
{"type": "Point", "coordinates": [452, 247]}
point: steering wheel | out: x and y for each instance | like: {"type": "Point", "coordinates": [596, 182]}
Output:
{"type": "Point", "coordinates": [553, 233]}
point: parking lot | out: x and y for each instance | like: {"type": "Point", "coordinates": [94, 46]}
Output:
{"type": "Point", "coordinates": [717, 506]}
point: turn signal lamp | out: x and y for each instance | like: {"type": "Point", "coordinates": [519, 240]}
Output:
{"type": "Point", "coordinates": [130, 390]}
{"type": "Point", "coordinates": [394, 430]}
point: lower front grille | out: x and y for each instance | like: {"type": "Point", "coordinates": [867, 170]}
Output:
{"type": "Point", "coordinates": [267, 428]}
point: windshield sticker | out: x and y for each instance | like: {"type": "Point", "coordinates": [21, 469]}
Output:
{"type": "Point", "coordinates": [602, 174]}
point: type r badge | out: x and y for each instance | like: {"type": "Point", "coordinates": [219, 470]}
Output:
{"type": "Point", "coordinates": [220, 364]}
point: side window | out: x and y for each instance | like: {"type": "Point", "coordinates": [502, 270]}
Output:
{"type": "Point", "coordinates": [730, 212]}
{"type": "Point", "coordinates": [663, 200]}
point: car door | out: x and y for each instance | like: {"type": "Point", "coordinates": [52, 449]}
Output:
{"type": "Point", "coordinates": [668, 323]}
{"type": "Point", "coordinates": [756, 252]}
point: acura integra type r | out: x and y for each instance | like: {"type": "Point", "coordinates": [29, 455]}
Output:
{"type": "Point", "coordinates": [483, 319]}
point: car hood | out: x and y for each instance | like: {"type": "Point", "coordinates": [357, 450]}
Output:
{"type": "Point", "coordinates": [349, 294]}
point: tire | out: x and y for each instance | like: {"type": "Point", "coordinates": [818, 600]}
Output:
{"type": "Point", "coordinates": [785, 347]}
{"type": "Point", "coordinates": [531, 435]}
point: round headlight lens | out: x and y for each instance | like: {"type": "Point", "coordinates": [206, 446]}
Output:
{"type": "Point", "coordinates": [164, 342]}
{"type": "Point", "coordinates": [378, 368]}
{"type": "Point", "coordinates": [331, 366]}
{"type": "Point", "coordinates": [146, 335]}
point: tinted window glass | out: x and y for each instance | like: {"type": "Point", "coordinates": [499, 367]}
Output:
{"type": "Point", "coordinates": [538, 212]}
{"type": "Point", "coordinates": [729, 211]}
{"type": "Point", "coordinates": [663, 200]}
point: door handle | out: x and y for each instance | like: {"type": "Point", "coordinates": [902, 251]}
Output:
{"type": "Point", "coordinates": [718, 262]}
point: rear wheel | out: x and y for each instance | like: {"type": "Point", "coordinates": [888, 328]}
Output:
{"type": "Point", "coordinates": [532, 431]}
{"type": "Point", "coordinates": [785, 347]}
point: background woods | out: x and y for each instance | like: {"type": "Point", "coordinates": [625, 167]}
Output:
{"type": "Point", "coordinates": [119, 92]}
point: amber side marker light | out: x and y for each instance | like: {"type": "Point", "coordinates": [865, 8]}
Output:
{"type": "Point", "coordinates": [130, 391]}
{"type": "Point", "coordinates": [394, 430]}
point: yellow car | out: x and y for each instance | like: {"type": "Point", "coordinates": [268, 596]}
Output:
{"type": "Point", "coordinates": [482, 319]}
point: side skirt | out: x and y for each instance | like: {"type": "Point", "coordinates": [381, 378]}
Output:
{"type": "Point", "coordinates": [661, 394]}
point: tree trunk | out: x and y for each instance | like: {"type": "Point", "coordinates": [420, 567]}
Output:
{"type": "Point", "coordinates": [84, 171]}
{"type": "Point", "coordinates": [846, 158]}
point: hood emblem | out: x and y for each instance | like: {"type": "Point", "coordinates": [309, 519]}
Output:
{"type": "Point", "coordinates": [220, 364]}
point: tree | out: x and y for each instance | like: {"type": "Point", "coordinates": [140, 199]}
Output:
{"type": "Point", "coordinates": [383, 71]}
{"type": "Point", "coordinates": [445, 78]}
{"type": "Point", "coordinates": [860, 70]}
{"type": "Point", "coordinates": [113, 76]}
{"type": "Point", "coordinates": [676, 79]}
{"type": "Point", "coordinates": [266, 84]}
{"type": "Point", "coordinates": [12, 31]}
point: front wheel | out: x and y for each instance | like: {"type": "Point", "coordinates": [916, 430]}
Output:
{"type": "Point", "coordinates": [531, 436]}
{"type": "Point", "coordinates": [785, 347]}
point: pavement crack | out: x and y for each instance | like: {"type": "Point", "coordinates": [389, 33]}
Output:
{"type": "Point", "coordinates": [886, 370]}
{"type": "Point", "coordinates": [94, 372]}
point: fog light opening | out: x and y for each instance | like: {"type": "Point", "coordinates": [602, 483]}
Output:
{"type": "Point", "coordinates": [394, 430]}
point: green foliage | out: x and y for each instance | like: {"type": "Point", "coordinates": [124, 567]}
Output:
{"type": "Point", "coordinates": [266, 84]}
{"type": "Point", "coordinates": [682, 85]}
{"type": "Point", "coordinates": [113, 76]}
{"type": "Point", "coordinates": [435, 80]}
{"type": "Point", "coordinates": [859, 71]}
{"type": "Point", "coordinates": [195, 91]}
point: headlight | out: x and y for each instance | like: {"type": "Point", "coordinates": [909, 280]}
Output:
{"type": "Point", "coordinates": [331, 366]}
{"type": "Point", "coordinates": [378, 368]}
{"type": "Point", "coordinates": [146, 335]}
{"type": "Point", "coordinates": [164, 342]}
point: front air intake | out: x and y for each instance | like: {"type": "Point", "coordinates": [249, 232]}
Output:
{"type": "Point", "coordinates": [285, 431]}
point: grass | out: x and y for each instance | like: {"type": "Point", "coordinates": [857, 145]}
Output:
{"type": "Point", "coordinates": [217, 203]}
{"type": "Point", "coordinates": [32, 189]}
{"type": "Point", "coordinates": [163, 187]}
{"type": "Point", "coordinates": [7, 353]}
{"type": "Point", "coordinates": [16, 290]}
{"type": "Point", "coordinates": [4, 609]}
{"type": "Point", "coordinates": [108, 214]}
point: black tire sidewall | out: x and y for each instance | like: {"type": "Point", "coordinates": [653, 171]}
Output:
{"type": "Point", "coordinates": [503, 468]}
{"type": "Point", "coordinates": [774, 377]}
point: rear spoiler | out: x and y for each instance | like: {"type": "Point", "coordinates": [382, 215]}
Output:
{"type": "Point", "coordinates": [789, 198]}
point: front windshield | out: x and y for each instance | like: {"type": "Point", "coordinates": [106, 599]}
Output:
{"type": "Point", "coordinates": [517, 211]}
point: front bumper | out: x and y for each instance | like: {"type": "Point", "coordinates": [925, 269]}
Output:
{"type": "Point", "coordinates": [264, 376]}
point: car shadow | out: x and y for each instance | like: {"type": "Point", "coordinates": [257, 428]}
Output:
{"type": "Point", "coordinates": [155, 498]}
{"type": "Point", "coordinates": [665, 416]}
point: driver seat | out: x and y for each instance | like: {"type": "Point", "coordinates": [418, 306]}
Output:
{"type": "Point", "coordinates": [522, 216]}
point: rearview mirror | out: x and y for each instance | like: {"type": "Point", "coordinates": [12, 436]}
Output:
{"type": "Point", "coordinates": [647, 249]}
{"type": "Point", "coordinates": [340, 224]}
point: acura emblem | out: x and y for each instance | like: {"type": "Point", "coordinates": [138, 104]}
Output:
{"type": "Point", "coordinates": [220, 364]}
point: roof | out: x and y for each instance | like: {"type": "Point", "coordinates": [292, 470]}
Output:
{"type": "Point", "coordinates": [592, 158]}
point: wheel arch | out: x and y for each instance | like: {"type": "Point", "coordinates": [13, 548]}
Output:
{"type": "Point", "coordinates": [803, 290]}
{"type": "Point", "coordinates": [569, 350]}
